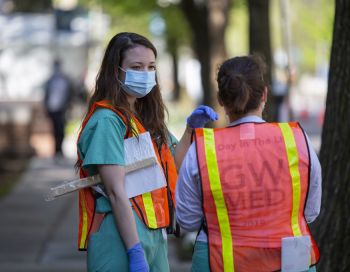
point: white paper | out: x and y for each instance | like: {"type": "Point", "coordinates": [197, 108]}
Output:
{"type": "Point", "coordinates": [296, 253]}
{"type": "Point", "coordinates": [146, 179]}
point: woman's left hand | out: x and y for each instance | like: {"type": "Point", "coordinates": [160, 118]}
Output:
{"type": "Point", "coordinates": [137, 259]}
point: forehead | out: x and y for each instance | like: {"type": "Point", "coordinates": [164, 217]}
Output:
{"type": "Point", "coordinates": [139, 54]}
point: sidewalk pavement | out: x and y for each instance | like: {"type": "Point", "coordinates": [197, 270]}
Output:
{"type": "Point", "coordinates": [39, 236]}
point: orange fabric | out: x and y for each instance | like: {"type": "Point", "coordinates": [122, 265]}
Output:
{"type": "Point", "coordinates": [89, 221]}
{"type": "Point", "coordinates": [159, 196]}
{"type": "Point", "coordinates": [256, 184]}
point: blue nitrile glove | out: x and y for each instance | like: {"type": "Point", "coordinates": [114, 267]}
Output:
{"type": "Point", "coordinates": [137, 259]}
{"type": "Point", "coordinates": [200, 116]}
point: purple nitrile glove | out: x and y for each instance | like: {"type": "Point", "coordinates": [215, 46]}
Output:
{"type": "Point", "coordinates": [200, 116]}
{"type": "Point", "coordinates": [137, 259]}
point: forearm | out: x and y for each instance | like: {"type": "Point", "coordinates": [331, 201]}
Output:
{"type": "Point", "coordinates": [124, 218]}
{"type": "Point", "coordinates": [113, 178]}
{"type": "Point", "coordinates": [182, 147]}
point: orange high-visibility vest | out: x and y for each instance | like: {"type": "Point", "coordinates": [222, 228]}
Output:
{"type": "Point", "coordinates": [255, 179]}
{"type": "Point", "coordinates": [152, 207]}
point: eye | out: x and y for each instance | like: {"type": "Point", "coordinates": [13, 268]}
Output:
{"type": "Point", "coordinates": [136, 67]}
{"type": "Point", "coordinates": [152, 67]}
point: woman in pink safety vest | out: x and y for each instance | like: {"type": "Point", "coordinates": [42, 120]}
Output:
{"type": "Point", "coordinates": [250, 187]}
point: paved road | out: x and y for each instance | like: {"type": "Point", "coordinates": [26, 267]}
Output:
{"type": "Point", "coordinates": [36, 235]}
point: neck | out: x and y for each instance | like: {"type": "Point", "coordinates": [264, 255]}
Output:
{"type": "Point", "coordinates": [235, 117]}
{"type": "Point", "coordinates": [131, 100]}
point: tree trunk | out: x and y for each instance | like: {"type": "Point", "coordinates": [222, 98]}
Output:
{"type": "Point", "coordinates": [260, 43]}
{"type": "Point", "coordinates": [208, 21]}
{"type": "Point", "coordinates": [176, 89]}
{"type": "Point", "coordinates": [333, 225]}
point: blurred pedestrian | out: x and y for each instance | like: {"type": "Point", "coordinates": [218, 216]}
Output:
{"type": "Point", "coordinates": [248, 186]}
{"type": "Point", "coordinates": [279, 90]}
{"type": "Point", "coordinates": [122, 234]}
{"type": "Point", "coordinates": [56, 100]}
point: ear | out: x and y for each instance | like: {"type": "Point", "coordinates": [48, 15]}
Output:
{"type": "Point", "coordinates": [264, 96]}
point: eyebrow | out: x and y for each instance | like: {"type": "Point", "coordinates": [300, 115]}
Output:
{"type": "Point", "coordinates": [138, 62]}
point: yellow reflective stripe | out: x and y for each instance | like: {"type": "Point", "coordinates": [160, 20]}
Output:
{"type": "Point", "coordinates": [149, 209]}
{"type": "Point", "coordinates": [216, 190]}
{"type": "Point", "coordinates": [293, 162]}
{"type": "Point", "coordinates": [147, 198]}
{"type": "Point", "coordinates": [85, 219]}
{"type": "Point", "coordinates": [134, 126]}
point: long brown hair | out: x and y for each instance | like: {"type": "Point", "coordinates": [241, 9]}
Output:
{"type": "Point", "coordinates": [150, 110]}
{"type": "Point", "coordinates": [241, 83]}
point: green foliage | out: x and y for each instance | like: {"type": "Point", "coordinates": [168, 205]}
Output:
{"type": "Point", "coordinates": [131, 16]}
{"type": "Point", "coordinates": [311, 31]}
{"type": "Point", "coordinates": [177, 30]}
{"type": "Point", "coordinates": [135, 16]}
{"type": "Point", "coordinates": [237, 30]}
{"type": "Point", "coordinates": [312, 24]}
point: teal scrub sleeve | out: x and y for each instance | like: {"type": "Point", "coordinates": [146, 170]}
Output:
{"type": "Point", "coordinates": [172, 142]}
{"type": "Point", "coordinates": [103, 144]}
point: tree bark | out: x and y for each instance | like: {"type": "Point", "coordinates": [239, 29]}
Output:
{"type": "Point", "coordinates": [333, 226]}
{"type": "Point", "coordinates": [176, 89]}
{"type": "Point", "coordinates": [260, 43]}
{"type": "Point", "coordinates": [208, 21]}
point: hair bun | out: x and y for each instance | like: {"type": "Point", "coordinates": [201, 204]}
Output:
{"type": "Point", "coordinates": [236, 90]}
{"type": "Point", "coordinates": [241, 84]}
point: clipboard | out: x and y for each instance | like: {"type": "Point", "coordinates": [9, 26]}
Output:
{"type": "Point", "coordinates": [143, 171]}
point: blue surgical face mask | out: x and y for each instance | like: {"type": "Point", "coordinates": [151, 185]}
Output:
{"type": "Point", "coordinates": [138, 83]}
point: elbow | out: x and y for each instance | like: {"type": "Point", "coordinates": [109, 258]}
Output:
{"type": "Point", "coordinates": [116, 195]}
{"type": "Point", "coordinates": [186, 224]}
{"type": "Point", "coordinates": [188, 227]}
{"type": "Point", "coordinates": [310, 219]}
{"type": "Point", "coordinates": [183, 224]}
{"type": "Point", "coordinates": [311, 216]}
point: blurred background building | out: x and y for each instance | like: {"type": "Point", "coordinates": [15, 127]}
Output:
{"type": "Point", "coordinates": [31, 37]}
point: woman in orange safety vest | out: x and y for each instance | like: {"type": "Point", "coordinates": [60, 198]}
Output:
{"type": "Point", "coordinates": [122, 234]}
{"type": "Point", "coordinates": [251, 187]}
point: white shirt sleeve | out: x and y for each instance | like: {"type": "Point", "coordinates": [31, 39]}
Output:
{"type": "Point", "coordinates": [188, 193]}
{"type": "Point", "coordinates": [313, 202]}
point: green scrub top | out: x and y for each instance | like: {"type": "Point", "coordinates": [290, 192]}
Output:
{"type": "Point", "coordinates": [101, 142]}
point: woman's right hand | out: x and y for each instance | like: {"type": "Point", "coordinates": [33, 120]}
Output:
{"type": "Point", "coordinates": [137, 259]}
{"type": "Point", "coordinates": [200, 116]}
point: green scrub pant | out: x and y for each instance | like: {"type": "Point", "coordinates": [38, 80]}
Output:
{"type": "Point", "coordinates": [200, 259]}
{"type": "Point", "coordinates": [106, 251]}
